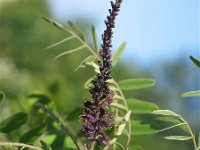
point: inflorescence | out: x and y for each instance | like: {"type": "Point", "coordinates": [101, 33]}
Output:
{"type": "Point", "coordinates": [94, 114]}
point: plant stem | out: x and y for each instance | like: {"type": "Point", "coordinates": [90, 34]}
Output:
{"type": "Point", "coordinates": [61, 27]}
{"type": "Point", "coordinates": [70, 132]}
{"type": "Point", "coordinates": [65, 127]}
{"type": "Point", "coordinates": [19, 145]}
{"type": "Point", "coordinates": [91, 145]}
{"type": "Point", "coordinates": [129, 120]}
{"type": "Point", "coordinates": [191, 133]}
{"type": "Point", "coordinates": [116, 116]}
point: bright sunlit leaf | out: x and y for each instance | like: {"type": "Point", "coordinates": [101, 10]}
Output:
{"type": "Point", "coordinates": [118, 106]}
{"type": "Point", "coordinates": [123, 124]}
{"type": "Point", "coordinates": [49, 138]}
{"type": "Point", "coordinates": [165, 112]}
{"type": "Point", "coordinates": [69, 144]}
{"type": "Point", "coordinates": [179, 138]}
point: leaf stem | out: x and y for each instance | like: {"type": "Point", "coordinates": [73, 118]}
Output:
{"type": "Point", "coordinates": [116, 116]}
{"type": "Point", "coordinates": [191, 133]}
{"type": "Point", "coordinates": [91, 145]}
{"type": "Point", "coordinates": [66, 128]}
{"type": "Point", "coordinates": [129, 120]}
{"type": "Point", "coordinates": [19, 145]}
{"type": "Point", "coordinates": [61, 27]}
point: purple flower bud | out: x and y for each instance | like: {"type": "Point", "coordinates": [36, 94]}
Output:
{"type": "Point", "coordinates": [105, 136]}
{"type": "Point", "coordinates": [105, 142]}
{"type": "Point", "coordinates": [110, 116]}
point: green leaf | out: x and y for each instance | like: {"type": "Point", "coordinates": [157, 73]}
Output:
{"type": "Point", "coordinates": [49, 138]}
{"type": "Point", "coordinates": [69, 144]}
{"type": "Point", "coordinates": [179, 138]}
{"type": "Point", "coordinates": [140, 128]}
{"type": "Point", "coordinates": [70, 51]}
{"type": "Point", "coordinates": [169, 119]}
{"type": "Point", "coordinates": [94, 65]}
{"type": "Point", "coordinates": [73, 115]}
{"type": "Point", "coordinates": [2, 97]}
{"type": "Point", "coordinates": [60, 42]}
{"type": "Point", "coordinates": [123, 124]}
{"type": "Point", "coordinates": [94, 36]}
{"type": "Point", "coordinates": [141, 107]}
{"type": "Point", "coordinates": [14, 122]}
{"type": "Point", "coordinates": [165, 112]}
{"type": "Point", "coordinates": [88, 84]}
{"type": "Point", "coordinates": [45, 146]}
{"type": "Point", "coordinates": [118, 106]}
{"type": "Point", "coordinates": [56, 24]}
{"type": "Point", "coordinates": [198, 144]}
{"type": "Point", "coordinates": [176, 121]}
{"type": "Point", "coordinates": [75, 28]}
{"type": "Point", "coordinates": [132, 84]}
{"type": "Point", "coordinates": [83, 63]}
{"type": "Point", "coordinates": [33, 134]}
{"type": "Point", "coordinates": [136, 147]}
{"type": "Point", "coordinates": [127, 116]}
{"type": "Point", "coordinates": [118, 97]}
{"type": "Point", "coordinates": [84, 43]}
{"type": "Point", "coordinates": [191, 93]}
{"type": "Point", "coordinates": [181, 125]}
{"type": "Point", "coordinates": [120, 145]}
{"type": "Point", "coordinates": [195, 61]}
{"type": "Point", "coordinates": [39, 97]}
{"type": "Point", "coordinates": [116, 56]}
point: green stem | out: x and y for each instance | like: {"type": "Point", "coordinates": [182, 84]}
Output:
{"type": "Point", "coordinates": [61, 27]}
{"type": "Point", "coordinates": [191, 133]}
{"type": "Point", "coordinates": [66, 128]}
{"type": "Point", "coordinates": [129, 120]}
{"type": "Point", "coordinates": [116, 116]}
{"type": "Point", "coordinates": [70, 132]}
{"type": "Point", "coordinates": [91, 145]}
{"type": "Point", "coordinates": [8, 144]}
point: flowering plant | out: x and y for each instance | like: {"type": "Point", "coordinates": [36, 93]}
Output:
{"type": "Point", "coordinates": [108, 119]}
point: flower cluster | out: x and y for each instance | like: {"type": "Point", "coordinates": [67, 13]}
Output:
{"type": "Point", "coordinates": [94, 112]}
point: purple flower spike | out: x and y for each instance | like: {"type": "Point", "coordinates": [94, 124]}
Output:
{"type": "Point", "coordinates": [94, 114]}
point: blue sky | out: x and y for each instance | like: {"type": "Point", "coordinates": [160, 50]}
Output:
{"type": "Point", "coordinates": [153, 29]}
